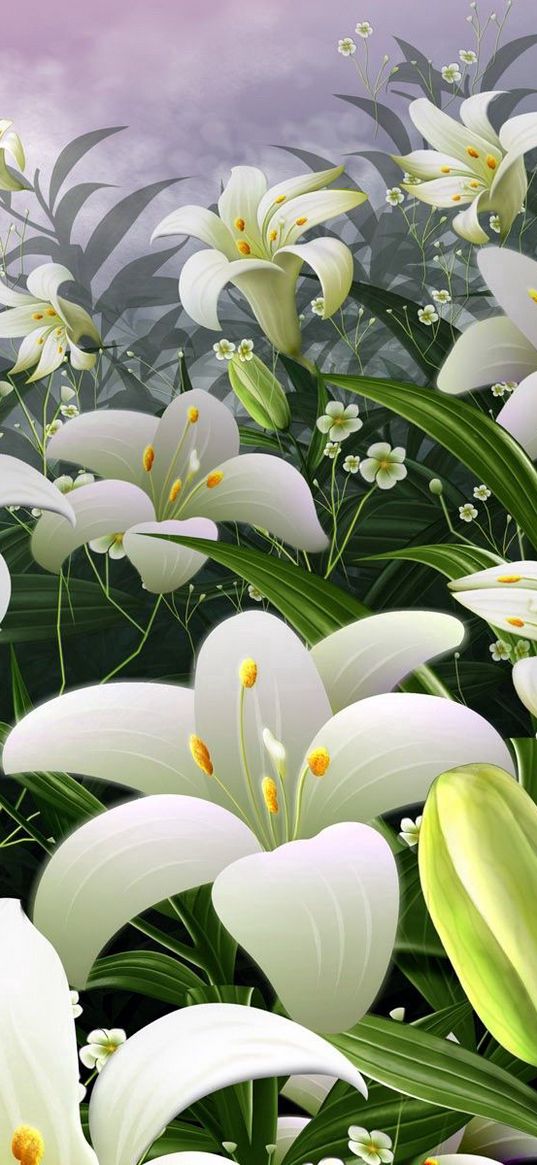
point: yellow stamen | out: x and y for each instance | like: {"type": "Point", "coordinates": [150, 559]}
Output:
{"type": "Point", "coordinates": [300, 221]}
{"type": "Point", "coordinates": [318, 761]}
{"type": "Point", "coordinates": [445, 169]}
{"type": "Point", "coordinates": [60, 350]}
{"type": "Point", "coordinates": [430, 1161]}
{"type": "Point", "coordinates": [214, 479]}
{"type": "Point", "coordinates": [509, 578]}
{"type": "Point", "coordinates": [270, 794]}
{"type": "Point", "coordinates": [273, 236]}
{"type": "Point", "coordinates": [532, 292]}
{"type": "Point", "coordinates": [175, 490]}
{"type": "Point", "coordinates": [27, 1145]}
{"type": "Point", "coordinates": [475, 185]}
{"type": "Point", "coordinates": [239, 224]}
{"type": "Point", "coordinates": [37, 315]}
{"type": "Point", "coordinates": [248, 673]}
{"type": "Point", "coordinates": [40, 341]}
{"type": "Point", "coordinates": [148, 458]}
{"type": "Point", "coordinates": [50, 312]}
{"type": "Point", "coordinates": [193, 415]}
{"type": "Point", "coordinates": [201, 754]}
{"type": "Point", "coordinates": [455, 197]}
{"type": "Point", "coordinates": [279, 199]}
{"type": "Point", "coordinates": [472, 152]}
{"type": "Point", "coordinates": [243, 247]}
{"type": "Point", "coordinates": [514, 621]}
{"type": "Point", "coordinates": [491, 162]}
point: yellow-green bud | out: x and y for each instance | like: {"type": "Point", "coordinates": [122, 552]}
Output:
{"type": "Point", "coordinates": [478, 869]}
{"type": "Point", "coordinates": [435, 486]}
{"type": "Point", "coordinates": [259, 391]}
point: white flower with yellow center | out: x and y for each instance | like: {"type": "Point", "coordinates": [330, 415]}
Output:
{"type": "Point", "coordinates": [409, 830]}
{"type": "Point", "coordinates": [51, 325]}
{"type": "Point", "coordinates": [261, 780]}
{"type": "Point", "coordinates": [351, 464]}
{"type": "Point", "coordinates": [223, 349]}
{"type": "Point", "coordinates": [364, 29]}
{"type": "Point", "coordinates": [384, 465]}
{"type": "Point", "coordinates": [441, 295]}
{"type": "Point", "coordinates": [179, 474]}
{"type": "Point", "coordinates": [254, 244]}
{"type": "Point", "coordinates": [470, 165]}
{"type": "Point", "coordinates": [10, 147]}
{"type": "Point", "coordinates": [467, 512]}
{"type": "Point", "coordinates": [374, 1148]}
{"type": "Point", "coordinates": [504, 595]}
{"type": "Point", "coordinates": [346, 46]}
{"type": "Point", "coordinates": [428, 315]}
{"type": "Point", "coordinates": [102, 1044]}
{"type": "Point", "coordinates": [339, 421]}
{"type": "Point", "coordinates": [482, 492]}
{"type": "Point", "coordinates": [451, 73]}
{"type": "Point", "coordinates": [468, 56]}
{"type": "Point", "coordinates": [500, 650]}
{"type": "Point", "coordinates": [245, 350]}
{"type": "Point", "coordinates": [394, 196]}
{"type": "Point", "coordinates": [75, 1004]}
{"type": "Point", "coordinates": [155, 1075]}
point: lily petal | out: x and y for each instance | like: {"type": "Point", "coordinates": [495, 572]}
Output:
{"type": "Point", "coordinates": [386, 751]}
{"type": "Point", "coordinates": [39, 1086]}
{"type": "Point", "coordinates": [445, 134]}
{"type": "Point", "coordinates": [240, 199]}
{"type": "Point", "coordinates": [287, 1130]}
{"type": "Point", "coordinates": [43, 282]}
{"type": "Point", "coordinates": [125, 860]}
{"type": "Point", "coordinates": [467, 225]}
{"type": "Point", "coordinates": [204, 276]}
{"type": "Point", "coordinates": [309, 210]}
{"type": "Point", "coordinates": [132, 734]}
{"type": "Point", "coordinates": [474, 114]}
{"type": "Point", "coordinates": [319, 917]}
{"type": "Point", "coordinates": [201, 224]}
{"type": "Point", "coordinates": [11, 297]}
{"type": "Point", "coordinates": [519, 135]}
{"type": "Point", "coordinates": [272, 201]}
{"type": "Point", "coordinates": [502, 1143]}
{"type": "Point", "coordinates": [487, 351]}
{"type": "Point", "coordinates": [104, 507]}
{"type": "Point", "coordinates": [451, 191]}
{"type": "Point", "coordinates": [525, 681]}
{"type": "Point", "coordinates": [512, 609]}
{"type": "Point", "coordinates": [333, 264]}
{"type": "Point", "coordinates": [508, 191]}
{"type": "Point", "coordinates": [376, 653]}
{"type": "Point", "coordinates": [5, 587]}
{"type": "Point", "coordinates": [110, 442]}
{"type": "Point", "coordinates": [21, 320]}
{"type": "Point", "coordinates": [22, 485]}
{"type": "Point", "coordinates": [184, 1056]}
{"type": "Point", "coordinates": [429, 164]}
{"type": "Point", "coordinates": [512, 278]}
{"type": "Point", "coordinates": [164, 566]}
{"type": "Point", "coordinates": [52, 355]}
{"type": "Point", "coordinates": [520, 575]}
{"type": "Point", "coordinates": [77, 320]}
{"type": "Point", "coordinates": [308, 1091]}
{"type": "Point", "coordinates": [519, 415]}
{"type": "Point", "coordinates": [264, 491]}
{"type": "Point", "coordinates": [214, 434]}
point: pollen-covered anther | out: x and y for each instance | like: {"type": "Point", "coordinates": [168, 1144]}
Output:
{"type": "Point", "coordinates": [472, 152]}
{"type": "Point", "coordinates": [491, 162]}
{"type": "Point", "coordinates": [270, 794]}
{"type": "Point", "coordinates": [474, 184]}
{"type": "Point", "coordinates": [273, 236]}
{"type": "Point", "coordinates": [318, 761]}
{"type": "Point", "coordinates": [201, 755]}
{"type": "Point", "coordinates": [532, 292]}
{"type": "Point", "coordinates": [214, 479]}
{"type": "Point", "coordinates": [445, 169]}
{"type": "Point", "coordinates": [243, 247]}
{"type": "Point", "coordinates": [279, 199]}
{"type": "Point", "coordinates": [50, 312]}
{"type": "Point", "coordinates": [27, 1145]}
{"type": "Point", "coordinates": [509, 578]}
{"type": "Point", "coordinates": [514, 621]}
{"type": "Point", "coordinates": [37, 315]}
{"type": "Point", "coordinates": [175, 490]}
{"type": "Point", "coordinates": [239, 224]}
{"type": "Point", "coordinates": [193, 415]}
{"type": "Point", "coordinates": [300, 222]}
{"type": "Point", "coordinates": [148, 457]}
{"type": "Point", "coordinates": [248, 673]}
{"type": "Point", "coordinates": [455, 197]}
{"type": "Point", "coordinates": [430, 1161]}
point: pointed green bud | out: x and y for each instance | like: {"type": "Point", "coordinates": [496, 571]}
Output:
{"type": "Point", "coordinates": [259, 391]}
{"type": "Point", "coordinates": [478, 869]}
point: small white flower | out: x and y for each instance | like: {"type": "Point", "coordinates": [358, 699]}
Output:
{"type": "Point", "coordinates": [384, 465]}
{"type": "Point", "coordinates": [51, 429]}
{"type": "Point", "coordinates": [503, 386]}
{"type": "Point", "coordinates": [255, 594]}
{"type": "Point", "coordinates": [410, 179]}
{"type": "Point", "coordinates": [351, 464]}
{"type": "Point", "coordinates": [317, 305]}
{"type": "Point", "coordinates": [65, 483]}
{"type": "Point", "coordinates": [374, 1148]}
{"type": "Point", "coordinates": [245, 350]}
{"type": "Point", "coordinates": [427, 315]}
{"type": "Point", "coordinates": [100, 1046]}
{"type": "Point", "coordinates": [339, 421]}
{"type": "Point", "coordinates": [499, 650]}
{"type": "Point", "coordinates": [467, 56]}
{"type": "Point", "coordinates": [495, 223]}
{"type": "Point", "coordinates": [394, 196]}
{"type": "Point", "coordinates": [110, 544]}
{"type": "Point", "coordinates": [346, 46]}
{"type": "Point", "coordinates": [77, 1009]}
{"type": "Point", "coordinates": [398, 1014]}
{"type": "Point", "coordinates": [451, 73]}
{"type": "Point", "coordinates": [69, 411]}
{"type": "Point", "coordinates": [223, 349]}
{"type": "Point", "coordinates": [410, 830]}
{"type": "Point", "coordinates": [521, 650]}
{"type": "Point", "coordinates": [331, 449]}
{"type": "Point", "coordinates": [363, 29]}
{"type": "Point", "coordinates": [482, 492]}
{"type": "Point", "coordinates": [467, 512]}
{"type": "Point", "coordinates": [441, 295]}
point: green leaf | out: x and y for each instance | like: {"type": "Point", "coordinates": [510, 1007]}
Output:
{"type": "Point", "coordinates": [525, 749]}
{"type": "Point", "coordinates": [481, 444]}
{"type": "Point", "coordinates": [148, 973]}
{"type": "Point", "coordinates": [437, 1071]}
{"type": "Point", "coordinates": [452, 561]}
{"type": "Point", "coordinates": [415, 931]}
{"type": "Point", "coordinates": [33, 609]}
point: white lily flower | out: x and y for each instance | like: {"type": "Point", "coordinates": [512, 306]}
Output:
{"type": "Point", "coordinates": [51, 326]}
{"type": "Point", "coordinates": [22, 485]}
{"type": "Point", "coordinates": [156, 1074]}
{"type": "Point", "coordinates": [179, 474]}
{"type": "Point", "coordinates": [10, 145]}
{"type": "Point", "coordinates": [282, 844]}
{"type": "Point", "coordinates": [254, 245]}
{"type": "Point", "coordinates": [504, 595]}
{"type": "Point", "coordinates": [470, 165]}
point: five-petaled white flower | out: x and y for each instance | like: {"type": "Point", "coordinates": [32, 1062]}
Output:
{"type": "Point", "coordinates": [409, 830]}
{"type": "Point", "coordinates": [332, 449]}
{"type": "Point", "coordinates": [521, 649]}
{"type": "Point", "coordinates": [317, 306]}
{"type": "Point", "coordinates": [502, 387]}
{"type": "Point", "coordinates": [223, 349]}
{"type": "Point", "coordinates": [364, 29]}
{"type": "Point", "coordinates": [394, 196]}
{"type": "Point", "coordinates": [428, 315]}
{"type": "Point", "coordinates": [441, 295]}
{"type": "Point", "coordinates": [500, 650]}
{"type": "Point", "coordinates": [467, 512]}
{"type": "Point", "coordinates": [346, 46]}
{"type": "Point", "coordinates": [351, 464]}
{"type": "Point", "coordinates": [495, 224]}
{"type": "Point", "coordinates": [259, 780]}
{"type": "Point", "coordinates": [254, 244]}
{"type": "Point", "coordinates": [384, 465]}
{"type": "Point", "coordinates": [101, 1044]}
{"type": "Point", "coordinates": [468, 56]}
{"type": "Point", "coordinates": [471, 165]}
{"type": "Point", "coordinates": [245, 350]}
{"type": "Point", "coordinates": [481, 492]}
{"type": "Point", "coordinates": [255, 594]}
{"type": "Point", "coordinates": [339, 421]}
{"type": "Point", "coordinates": [374, 1148]}
{"type": "Point", "coordinates": [174, 475]}
{"type": "Point", "coordinates": [51, 325]}
{"type": "Point", "coordinates": [77, 1009]}
{"type": "Point", "coordinates": [451, 73]}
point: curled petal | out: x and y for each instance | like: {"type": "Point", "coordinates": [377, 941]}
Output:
{"type": "Point", "coordinates": [201, 224]}
{"type": "Point", "coordinates": [512, 278]}
{"type": "Point", "coordinates": [428, 164]}
{"type": "Point", "coordinates": [487, 351]}
{"type": "Point", "coordinates": [311, 209]}
{"type": "Point", "coordinates": [22, 485]}
{"type": "Point", "coordinates": [333, 265]}
{"type": "Point", "coordinates": [512, 609]}
{"type": "Point", "coordinates": [164, 566]}
{"type": "Point", "coordinates": [525, 681]}
{"type": "Point", "coordinates": [205, 275]}
{"type": "Point", "coordinates": [474, 114]}
{"type": "Point", "coordinates": [519, 415]}
{"type": "Point", "coordinates": [43, 282]}
{"type": "Point", "coordinates": [467, 224]}
{"type": "Point", "coordinates": [104, 507]}
{"type": "Point", "coordinates": [240, 199]}
{"type": "Point", "coordinates": [283, 192]}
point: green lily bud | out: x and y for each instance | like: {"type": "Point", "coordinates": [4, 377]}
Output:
{"type": "Point", "coordinates": [259, 391]}
{"type": "Point", "coordinates": [478, 869]}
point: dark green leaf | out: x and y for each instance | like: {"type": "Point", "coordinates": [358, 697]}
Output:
{"type": "Point", "coordinates": [147, 972]}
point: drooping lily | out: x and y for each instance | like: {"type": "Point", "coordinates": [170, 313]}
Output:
{"type": "Point", "coordinates": [51, 325]}
{"type": "Point", "coordinates": [504, 595]}
{"type": "Point", "coordinates": [160, 1071]}
{"type": "Point", "coordinates": [470, 165]}
{"type": "Point", "coordinates": [260, 779]}
{"type": "Point", "coordinates": [254, 244]}
{"type": "Point", "coordinates": [170, 476]}
{"type": "Point", "coordinates": [22, 485]}
{"type": "Point", "coordinates": [10, 145]}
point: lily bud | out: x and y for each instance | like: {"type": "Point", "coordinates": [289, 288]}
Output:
{"type": "Point", "coordinates": [478, 869]}
{"type": "Point", "coordinates": [260, 393]}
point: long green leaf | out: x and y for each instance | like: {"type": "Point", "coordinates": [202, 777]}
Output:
{"type": "Point", "coordinates": [32, 612]}
{"type": "Point", "coordinates": [452, 561]}
{"type": "Point", "coordinates": [482, 445]}
{"type": "Point", "coordinates": [148, 973]}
